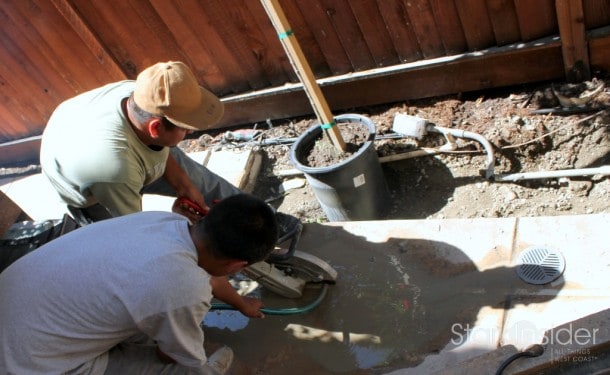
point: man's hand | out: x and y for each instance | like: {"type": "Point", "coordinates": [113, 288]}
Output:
{"type": "Point", "coordinates": [251, 307]}
{"type": "Point", "coordinates": [222, 290]}
{"type": "Point", "coordinates": [188, 208]}
{"type": "Point", "coordinates": [175, 175]}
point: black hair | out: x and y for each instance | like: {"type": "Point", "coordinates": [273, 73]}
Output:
{"type": "Point", "coordinates": [239, 227]}
{"type": "Point", "coordinates": [142, 116]}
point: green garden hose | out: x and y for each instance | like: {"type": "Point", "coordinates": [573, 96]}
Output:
{"type": "Point", "coordinates": [281, 311]}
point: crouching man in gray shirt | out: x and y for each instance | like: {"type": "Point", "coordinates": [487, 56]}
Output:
{"type": "Point", "coordinates": [79, 303]}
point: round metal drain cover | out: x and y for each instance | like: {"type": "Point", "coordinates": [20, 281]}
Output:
{"type": "Point", "coordinates": [539, 265]}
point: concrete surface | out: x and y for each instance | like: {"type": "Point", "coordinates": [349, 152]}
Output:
{"type": "Point", "coordinates": [424, 296]}
{"type": "Point", "coordinates": [418, 296]}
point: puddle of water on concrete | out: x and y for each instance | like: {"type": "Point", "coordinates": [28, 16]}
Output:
{"type": "Point", "coordinates": [231, 320]}
{"type": "Point", "coordinates": [363, 322]}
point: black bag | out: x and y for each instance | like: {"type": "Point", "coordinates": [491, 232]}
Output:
{"type": "Point", "coordinates": [26, 236]}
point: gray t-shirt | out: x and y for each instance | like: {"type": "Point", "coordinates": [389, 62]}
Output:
{"type": "Point", "coordinates": [91, 154]}
{"type": "Point", "coordinates": [73, 299]}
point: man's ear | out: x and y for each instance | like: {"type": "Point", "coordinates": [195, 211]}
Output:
{"type": "Point", "coordinates": [153, 127]}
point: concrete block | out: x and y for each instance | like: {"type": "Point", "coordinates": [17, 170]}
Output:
{"type": "Point", "coordinates": [36, 197]}
{"type": "Point", "coordinates": [239, 168]}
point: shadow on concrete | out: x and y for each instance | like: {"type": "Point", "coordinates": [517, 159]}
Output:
{"type": "Point", "coordinates": [395, 303]}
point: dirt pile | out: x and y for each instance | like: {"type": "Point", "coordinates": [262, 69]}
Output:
{"type": "Point", "coordinates": [527, 127]}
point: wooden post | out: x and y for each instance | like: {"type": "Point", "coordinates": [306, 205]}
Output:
{"type": "Point", "coordinates": [303, 70]}
{"type": "Point", "coordinates": [571, 20]}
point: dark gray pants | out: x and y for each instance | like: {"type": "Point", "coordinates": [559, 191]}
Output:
{"type": "Point", "coordinates": [212, 186]}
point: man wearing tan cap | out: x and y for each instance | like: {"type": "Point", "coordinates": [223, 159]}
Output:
{"type": "Point", "coordinates": [104, 148]}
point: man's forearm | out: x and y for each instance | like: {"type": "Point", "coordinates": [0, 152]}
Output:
{"type": "Point", "coordinates": [224, 291]}
{"type": "Point", "coordinates": [176, 177]}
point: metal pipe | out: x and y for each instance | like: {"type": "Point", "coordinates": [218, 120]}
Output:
{"type": "Point", "coordinates": [604, 171]}
{"type": "Point", "coordinates": [491, 160]}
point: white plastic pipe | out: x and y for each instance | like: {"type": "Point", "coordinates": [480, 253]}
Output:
{"type": "Point", "coordinates": [603, 171]}
{"type": "Point", "coordinates": [491, 160]}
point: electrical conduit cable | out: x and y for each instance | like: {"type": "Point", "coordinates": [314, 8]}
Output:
{"type": "Point", "coordinates": [281, 311]}
{"type": "Point", "coordinates": [603, 171]}
{"type": "Point", "coordinates": [491, 160]}
{"type": "Point", "coordinates": [535, 350]}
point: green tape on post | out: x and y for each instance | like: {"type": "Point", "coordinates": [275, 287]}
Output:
{"type": "Point", "coordinates": [285, 34]}
{"type": "Point", "coordinates": [328, 125]}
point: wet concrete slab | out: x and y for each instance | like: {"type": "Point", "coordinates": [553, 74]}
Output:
{"type": "Point", "coordinates": [421, 296]}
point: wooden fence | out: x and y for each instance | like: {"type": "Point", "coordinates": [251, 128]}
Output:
{"type": "Point", "coordinates": [362, 52]}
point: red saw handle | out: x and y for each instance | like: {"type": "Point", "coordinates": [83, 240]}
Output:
{"type": "Point", "coordinates": [192, 206]}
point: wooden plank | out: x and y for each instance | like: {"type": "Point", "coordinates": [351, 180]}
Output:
{"type": "Point", "coordinates": [573, 40]}
{"type": "Point", "coordinates": [375, 33]}
{"type": "Point", "coordinates": [23, 118]}
{"type": "Point", "coordinates": [598, 53]}
{"type": "Point", "coordinates": [17, 119]}
{"type": "Point", "coordinates": [114, 34]}
{"type": "Point", "coordinates": [266, 46]}
{"type": "Point", "coordinates": [160, 44]}
{"type": "Point", "coordinates": [401, 34]}
{"type": "Point", "coordinates": [537, 19]}
{"type": "Point", "coordinates": [424, 25]}
{"type": "Point", "coordinates": [137, 39]}
{"type": "Point", "coordinates": [476, 24]}
{"type": "Point", "coordinates": [200, 58]}
{"type": "Point", "coordinates": [12, 125]}
{"type": "Point", "coordinates": [597, 13]}
{"type": "Point", "coordinates": [344, 24]}
{"type": "Point", "coordinates": [306, 39]}
{"type": "Point", "coordinates": [21, 68]}
{"type": "Point", "coordinates": [505, 24]}
{"type": "Point", "coordinates": [449, 26]}
{"type": "Point", "coordinates": [208, 20]}
{"type": "Point", "coordinates": [234, 27]}
{"type": "Point", "coordinates": [106, 61]}
{"type": "Point", "coordinates": [328, 40]}
{"type": "Point", "coordinates": [58, 45]}
{"type": "Point", "coordinates": [226, 66]}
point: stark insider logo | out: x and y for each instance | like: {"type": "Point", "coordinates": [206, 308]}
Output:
{"type": "Point", "coordinates": [526, 332]}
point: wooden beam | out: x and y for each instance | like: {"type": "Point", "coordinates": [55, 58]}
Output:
{"type": "Point", "coordinates": [571, 20]}
{"type": "Point", "coordinates": [515, 64]}
{"type": "Point", "coordinates": [20, 152]}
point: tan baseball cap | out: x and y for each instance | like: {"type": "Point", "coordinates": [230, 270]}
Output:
{"type": "Point", "coordinates": [170, 89]}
